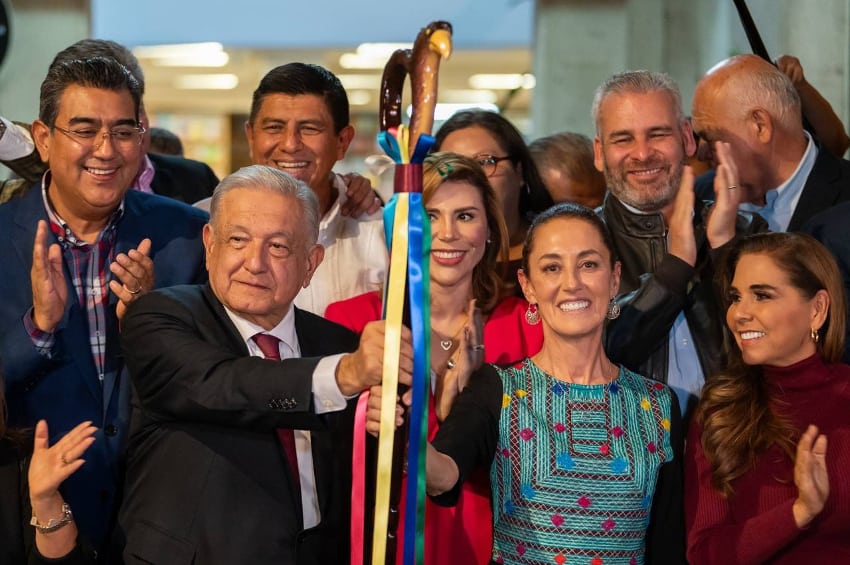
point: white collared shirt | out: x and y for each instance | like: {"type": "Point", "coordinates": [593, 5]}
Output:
{"type": "Point", "coordinates": [355, 257]}
{"type": "Point", "coordinates": [782, 200]}
{"type": "Point", "coordinates": [326, 398]}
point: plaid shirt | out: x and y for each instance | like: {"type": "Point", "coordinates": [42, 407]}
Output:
{"type": "Point", "coordinates": [88, 264]}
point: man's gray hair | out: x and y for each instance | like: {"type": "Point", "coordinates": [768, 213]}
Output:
{"type": "Point", "coordinates": [640, 82]}
{"type": "Point", "coordinates": [262, 176]}
{"type": "Point", "coordinates": [769, 88]}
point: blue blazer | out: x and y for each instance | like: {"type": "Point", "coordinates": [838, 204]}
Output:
{"type": "Point", "coordinates": [65, 389]}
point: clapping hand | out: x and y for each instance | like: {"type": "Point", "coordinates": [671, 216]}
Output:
{"type": "Point", "coordinates": [682, 243]}
{"type": "Point", "coordinates": [51, 465]}
{"type": "Point", "coordinates": [47, 277]}
{"type": "Point", "coordinates": [720, 226]}
{"type": "Point", "coordinates": [468, 357]}
{"type": "Point", "coordinates": [810, 477]}
{"type": "Point", "coordinates": [134, 272]}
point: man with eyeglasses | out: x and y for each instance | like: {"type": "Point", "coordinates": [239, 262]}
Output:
{"type": "Point", "coordinates": [182, 179]}
{"type": "Point", "coordinates": [77, 248]}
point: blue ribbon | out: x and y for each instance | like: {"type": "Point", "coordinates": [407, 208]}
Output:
{"type": "Point", "coordinates": [419, 235]}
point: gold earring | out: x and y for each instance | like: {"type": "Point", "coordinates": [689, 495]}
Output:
{"type": "Point", "coordinates": [813, 333]}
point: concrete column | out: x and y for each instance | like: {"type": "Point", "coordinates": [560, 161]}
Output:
{"type": "Point", "coordinates": [579, 43]}
{"type": "Point", "coordinates": [39, 30]}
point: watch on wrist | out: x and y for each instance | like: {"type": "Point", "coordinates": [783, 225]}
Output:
{"type": "Point", "coordinates": [54, 524]}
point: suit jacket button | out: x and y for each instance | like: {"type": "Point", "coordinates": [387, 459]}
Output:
{"type": "Point", "coordinates": [110, 430]}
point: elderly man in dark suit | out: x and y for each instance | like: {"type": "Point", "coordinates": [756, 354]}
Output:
{"type": "Point", "coordinates": [76, 249]}
{"type": "Point", "coordinates": [216, 473]}
{"type": "Point", "coordinates": [784, 175]}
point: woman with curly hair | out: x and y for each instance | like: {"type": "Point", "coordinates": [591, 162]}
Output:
{"type": "Point", "coordinates": [767, 476]}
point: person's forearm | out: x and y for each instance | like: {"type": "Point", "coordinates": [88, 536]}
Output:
{"type": "Point", "coordinates": [829, 130]}
{"type": "Point", "coordinates": [441, 472]}
{"type": "Point", "coordinates": [58, 543]}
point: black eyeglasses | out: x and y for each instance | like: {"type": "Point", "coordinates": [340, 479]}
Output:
{"type": "Point", "coordinates": [489, 163]}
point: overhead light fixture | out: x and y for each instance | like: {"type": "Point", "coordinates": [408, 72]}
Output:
{"type": "Point", "coordinates": [360, 82]}
{"type": "Point", "coordinates": [359, 97]}
{"type": "Point", "coordinates": [370, 55]}
{"type": "Point", "coordinates": [223, 81]}
{"type": "Point", "coordinates": [207, 54]}
{"type": "Point", "coordinates": [467, 96]}
{"type": "Point", "coordinates": [506, 81]}
{"type": "Point", "coordinates": [445, 110]}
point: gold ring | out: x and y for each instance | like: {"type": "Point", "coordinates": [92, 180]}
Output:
{"type": "Point", "coordinates": [64, 461]}
{"type": "Point", "coordinates": [734, 186]}
{"type": "Point", "coordinates": [137, 291]}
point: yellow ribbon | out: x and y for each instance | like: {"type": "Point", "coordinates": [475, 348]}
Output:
{"type": "Point", "coordinates": [392, 351]}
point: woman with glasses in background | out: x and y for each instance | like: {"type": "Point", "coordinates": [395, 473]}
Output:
{"type": "Point", "coordinates": [501, 151]}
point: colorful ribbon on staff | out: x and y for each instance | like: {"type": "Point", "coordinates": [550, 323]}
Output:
{"type": "Point", "coordinates": [406, 300]}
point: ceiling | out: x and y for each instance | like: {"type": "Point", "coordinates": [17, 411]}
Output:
{"type": "Point", "coordinates": [249, 66]}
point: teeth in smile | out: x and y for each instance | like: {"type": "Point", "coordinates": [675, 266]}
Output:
{"type": "Point", "coordinates": [288, 165]}
{"type": "Point", "coordinates": [572, 306]}
{"type": "Point", "coordinates": [751, 335]}
{"type": "Point", "coordinates": [100, 171]}
{"type": "Point", "coordinates": [448, 254]}
{"type": "Point", "coordinates": [647, 172]}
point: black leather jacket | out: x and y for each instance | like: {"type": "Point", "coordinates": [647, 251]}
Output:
{"type": "Point", "coordinates": [655, 286]}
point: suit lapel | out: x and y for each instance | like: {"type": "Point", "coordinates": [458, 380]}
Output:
{"type": "Point", "coordinates": [73, 324]}
{"type": "Point", "coordinates": [820, 191]}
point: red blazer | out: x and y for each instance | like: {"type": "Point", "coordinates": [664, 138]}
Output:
{"type": "Point", "coordinates": [462, 533]}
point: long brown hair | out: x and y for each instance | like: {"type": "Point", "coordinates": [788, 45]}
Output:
{"type": "Point", "coordinates": [488, 287]}
{"type": "Point", "coordinates": [735, 407]}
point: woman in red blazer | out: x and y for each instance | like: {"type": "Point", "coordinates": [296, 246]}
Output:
{"type": "Point", "coordinates": [473, 319]}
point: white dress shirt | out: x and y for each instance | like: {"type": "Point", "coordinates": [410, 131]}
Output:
{"type": "Point", "coordinates": [326, 398]}
{"type": "Point", "coordinates": [355, 257]}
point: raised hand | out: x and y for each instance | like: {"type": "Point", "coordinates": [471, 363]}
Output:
{"type": "Point", "coordinates": [810, 477]}
{"type": "Point", "coordinates": [134, 272]}
{"type": "Point", "coordinates": [682, 243]}
{"type": "Point", "coordinates": [47, 276]}
{"type": "Point", "coordinates": [720, 226]}
{"type": "Point", "coordinates": [464, 360]}
{"type": "Point", "coordinates": [360, 197]}
{"type": "Point", "coordinates": [51, 465]}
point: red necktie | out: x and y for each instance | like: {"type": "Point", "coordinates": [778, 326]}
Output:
{"type": "Point", "coordinates": [268, 344]}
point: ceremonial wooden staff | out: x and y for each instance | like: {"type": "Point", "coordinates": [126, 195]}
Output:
{"type": "Point", "coordinates": [406, 300]}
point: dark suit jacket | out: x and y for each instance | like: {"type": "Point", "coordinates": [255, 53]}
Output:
{"type": "Point", "coordinates": [182, 179]}
{"type": "Point", "coordinates": [207, 479]}
{"type": "Point", "coordinates": [827, 185]}
{"type": "Point", "coordinates": [65, 389]}
{"type": "Point", "coordinates": [832, 228]}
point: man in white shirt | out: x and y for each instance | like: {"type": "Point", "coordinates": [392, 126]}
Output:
{"type": "Point", "coordinates": [299, 123]}
{"type": "Point", "coordinates": [215, 470]}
